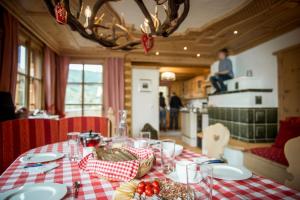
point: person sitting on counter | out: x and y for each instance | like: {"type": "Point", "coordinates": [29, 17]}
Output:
{"type": "Point", "coordinates": [175, 105]}
{"type": "Point", "coordinates": [225, 72]}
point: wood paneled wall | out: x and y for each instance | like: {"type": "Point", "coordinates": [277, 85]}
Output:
{"type": "Point", "coordinates": [289, 82]}
{"type": "Point", "coordinates": [128, 87]}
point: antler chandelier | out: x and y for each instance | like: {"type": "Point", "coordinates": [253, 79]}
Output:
{"type": "Point", "coordinates": [116, 35]}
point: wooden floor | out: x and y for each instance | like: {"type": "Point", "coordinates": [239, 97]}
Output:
{"type": "Point", "coordinates": [178, 140]}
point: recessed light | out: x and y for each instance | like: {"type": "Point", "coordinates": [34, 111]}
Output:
{"type": "Point", "coordinates": [198, 54]}
{"type": "Point", "coordinates": [235, 32]}
{"type": "Point", "coordinates": [157, 53]}
{"type": "Point", "coordinates": [185, 48]}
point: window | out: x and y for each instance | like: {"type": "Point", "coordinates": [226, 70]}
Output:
{"type": "Point", "coordinates": [29, 78]}
{"type": "Point", "coordinates": [84, 90]}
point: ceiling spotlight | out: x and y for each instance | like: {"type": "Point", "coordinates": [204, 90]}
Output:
{"type": "Point", "coordinates": [235, 32]}
{"type": "Point", "coordinates": [157, 53]}
{"type": "Point", "coordinates": [185, 48]}
{"type": "Point", "coordinates": [198, 54]}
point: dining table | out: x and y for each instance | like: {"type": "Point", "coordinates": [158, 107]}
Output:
{"type": "Point", "coordinates": [92, 187]}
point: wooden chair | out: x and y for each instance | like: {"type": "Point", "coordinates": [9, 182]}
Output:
{"type": "Point", "coordinates": [215, 138]}
{"type": "Point", "coordinates": [291, 150]}
{"type": "Point", "coordinates": [112, 118]}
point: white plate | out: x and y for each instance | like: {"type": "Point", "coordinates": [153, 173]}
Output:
{"type": "Point", "coordinates": [230, 173]}
{"type": "Point", "coordinates": [173, 176]}
{"type": "Point", "coordinates": [44, 191]}
{"type": "Point", "coordinates": [41, 157]}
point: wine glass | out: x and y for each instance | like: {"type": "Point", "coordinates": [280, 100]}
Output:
{"type": "Point", "coordinates": [167, 150]}
{"type": "Point", "coordinates": [200, 177]}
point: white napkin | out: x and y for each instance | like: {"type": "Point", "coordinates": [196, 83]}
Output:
{"type": "Point", "coordinates": [41, 169]}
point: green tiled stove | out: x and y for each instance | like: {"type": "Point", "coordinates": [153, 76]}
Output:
{"type": "Point", "coordinates": [255, 125]}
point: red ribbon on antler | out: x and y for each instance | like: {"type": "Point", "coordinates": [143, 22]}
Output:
{"type": "Point", "coordinates": [61, 13]}
{"type": "Point", "coordinates": [148, 42]}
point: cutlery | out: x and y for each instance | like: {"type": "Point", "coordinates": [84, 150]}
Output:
{"type": "Point", "coordinates": [33, 165]}
{"type": "Point", "coordinates": [212, 161]}
{"type": "Point", "coordinates": [76, 186]}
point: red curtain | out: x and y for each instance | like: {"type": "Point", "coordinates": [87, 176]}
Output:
{"type": "Point", "coordinates": [55, 76]}
{"type": "Point", "coordinates": [49, 80]}
{"type": "Point", "coordinates": [113, 92]}
{"type": "Point", "coordinates": [8, 67]}
{"type": "Point", "coordinates": [62, 69]}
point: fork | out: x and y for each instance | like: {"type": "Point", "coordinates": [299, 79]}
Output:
{"type": "Point", "coordinates": [76, 186]}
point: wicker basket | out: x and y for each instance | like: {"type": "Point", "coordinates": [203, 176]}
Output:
{"type": "Point", "coordinates": [145, 166]}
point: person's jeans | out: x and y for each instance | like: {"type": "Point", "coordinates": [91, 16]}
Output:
{"type": "Point", "coordinates": [174, 117]}
{"type": "Point", "coordinates": [218, 82]}
{"type": "Point", "coordinates": [162, 118]}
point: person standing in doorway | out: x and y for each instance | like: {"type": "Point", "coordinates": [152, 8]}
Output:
{"type": "Point", "coordinates": [162, 112]}
{"type": "Point", "coordinates": [175, 104]}
{"type": "Point", "coordinates": [225, 72]}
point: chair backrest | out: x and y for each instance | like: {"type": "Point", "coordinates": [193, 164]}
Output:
{"type": "Point", "coordinates": [112, 118]}
{"type": "Point", "coordinates": [7, 107]}
{"type": "Point", "coordinates": [215, 138]}
{"type": "Point", "coordinates": [21, 135]}
{"type": "Point", "coordinates": [291, 151]}
{"type": "Point", "coordinates": [83, 124]}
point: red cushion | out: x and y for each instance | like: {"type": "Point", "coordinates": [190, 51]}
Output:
{"type": "Point", "coordinates": [82, 124]}
{"type": "Point", "coordinates": [289, 129]}
{"type": "Point", "coordinates": [271, 153]}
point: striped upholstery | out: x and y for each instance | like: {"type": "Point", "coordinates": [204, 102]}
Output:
{"type": "Point", "coordinates": [83, 124]}
{"type": "Point", "coordinates": [19, 136]}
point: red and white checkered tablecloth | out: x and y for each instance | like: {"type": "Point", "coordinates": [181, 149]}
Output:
{"type": "Point", "coordinates": [95, 188]}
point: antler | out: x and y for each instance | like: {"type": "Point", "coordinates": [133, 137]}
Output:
{"type": "Point", "coordinates": [172, 22]}
{"type": "Point", "coordinates": [119, 29]}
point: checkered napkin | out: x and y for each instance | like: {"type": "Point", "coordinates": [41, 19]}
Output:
{"type": "Point", "coordinates": [115, 171]}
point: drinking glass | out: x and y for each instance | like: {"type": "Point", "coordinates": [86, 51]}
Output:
{"type": "Point", "coordinates": [73, 146]}
{"type": "Point", "coordinates": [156, 148]}
{"type": "Point", "coordinates": [200, 177]}
{"type": "Point", "coordinates": [167, 149]}
{"type": "Point", "coordinates": [142, 141]}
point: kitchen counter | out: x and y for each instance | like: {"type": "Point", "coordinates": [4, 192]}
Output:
{"type": "Point", "coordinates": [189, 127]}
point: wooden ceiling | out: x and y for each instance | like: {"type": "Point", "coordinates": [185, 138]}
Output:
{"type": "Point", "coordinates": [255, 20]}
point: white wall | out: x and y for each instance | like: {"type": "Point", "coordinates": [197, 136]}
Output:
{"type": "Point", "coordinates": [261, 60]}
{"type": "Point", "coordinates": [145, 105]}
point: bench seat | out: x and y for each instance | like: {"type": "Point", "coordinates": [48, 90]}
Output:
{"type": "Point", "coordinates": [20, 135]}
{"type": "Point", "coordinates": [271, 153]}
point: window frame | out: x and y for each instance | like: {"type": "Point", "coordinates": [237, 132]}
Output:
{"type": "Point", "coordinates": [31, 44]}
{"type": "Point", "coordinates": [82, 84]}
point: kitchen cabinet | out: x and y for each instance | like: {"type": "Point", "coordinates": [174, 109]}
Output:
{"type": "Point", "coordinates": [194, 88]}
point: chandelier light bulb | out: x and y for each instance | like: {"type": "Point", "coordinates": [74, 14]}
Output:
{"type": "Point", "coordinates": [185, 48]}
{"type": "Point", "coordinates": [87, 12]}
